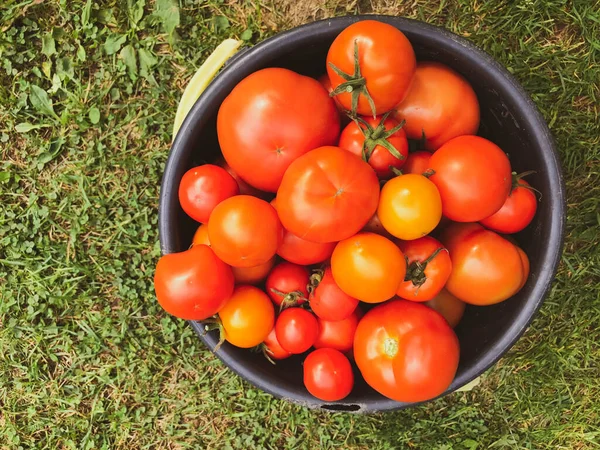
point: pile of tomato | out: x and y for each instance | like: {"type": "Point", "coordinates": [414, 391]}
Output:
{"type": "Point", "coordinates": [322, 235]}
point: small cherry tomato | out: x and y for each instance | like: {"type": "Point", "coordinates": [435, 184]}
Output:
{"type": "Point", "coordinates": [410, 206]}
{"type": "Point", "coordinates": [473, 177]}
{"type": "Point", "coordinates": [428, 269]}
{"type": "Point", "coordinates": [368, 267]}
{"type": "Point", "coordinates": [201, 236]}
{"type": "Point", "coordinates": [253, 275]}
{"type": "Point", "coordinates": [247, 317]}
{"type": "Point", "coordinates": [296, 330]}
{"type": "Point", "coordinates": [204, 187]}
{"type": "Point", "coordinates": [327, 300]}
{"type": "Point", "coordinates": [244, 231]}
{"type": "Point", "coordinates": [194, 284]}
{"type": "Point", "coordinates": [380, 141]}
{"type": "Point", "coordinates": [450, 307]}
{"type": "Point", "coordinates": [328, 375]}
{"type": "Point", "coordinates": [517, 211]}
{"type": "Point", "coordinates": [273, 348]}
{"type": "Point", "coordinates": [338, 334]}
{"type": "Point", "coordinates": [417, 162]}
{"type": "Point", "coordinates": [287, 284]}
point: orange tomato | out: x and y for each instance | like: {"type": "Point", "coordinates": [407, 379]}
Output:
{"type": "Point", "coordinates": [368, 267]}
{"type": "Point", "coordinates": [201, 236]}
{"type": "Point", "coordinates": [450, 307]}
{"type": "Point", "coordinates": [253, 275]}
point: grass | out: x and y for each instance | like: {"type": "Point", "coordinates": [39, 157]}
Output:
{"type": "Point", "coordinates": [88, 93]}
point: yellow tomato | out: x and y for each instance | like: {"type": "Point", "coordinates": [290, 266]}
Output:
{"type": "Point", "coordinates": [247, 317]}
{"type": "Point", "coordinates": [368, 267]}
{"type": "Point", "coordinates": [410, 206]}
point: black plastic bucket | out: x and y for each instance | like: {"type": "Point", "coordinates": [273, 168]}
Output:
{"type": "Point", "coordinates": [508, 117]}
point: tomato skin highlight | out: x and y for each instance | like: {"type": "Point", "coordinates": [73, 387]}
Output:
{"type": "Point", "coordinates": [435, 274]}
{"type": "Point", "coordinates": [269, 119]}
{"type": "Point", "coordinates": [368, 267]}
{"type": "Point", "coordinates": [244, 231]}
{"type": "Point", "coordinates": [329, 302]}
{"type": "Point", "coordinates": [473, 177]}
{"type": "Point", "coordinates": [327, 195]}
{"type": "Point", "coordinates": [328, 375]}
{"type": "Point", "coordinates": [274, 348]}
{"type": "Point", "coordinates": [410, 206]}
{"type": "Point", "coordinates": [450, 307]}
{"type": "Point", "coordinates": [387, 63]}
{"type": "Point", "coordinates": [296, 330]}
{"type": "Point", "coordinates": [417, 162]}
{"type": "Point", "coordinates": [406, 351]}
{"type": "Point", "coordinates": [486, 268]}
{"type": "Point", "coordinates": [353, 139]}
{"type": "Point", "coordinates": [516, 213]}
{"type": "Point", "coordinates": [439, 103]}
{"type": "Point", "coordinates": [338, 334]}
{"type": "Point", "coordinates": [247, 317]}
{"type": "Point", "coordinates": [286, 278]}
{"type": "Point", "coordinates": [194, 284]}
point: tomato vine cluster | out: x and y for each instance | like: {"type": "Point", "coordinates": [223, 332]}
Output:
{"type": "Point", "coordinates": [340, 244]}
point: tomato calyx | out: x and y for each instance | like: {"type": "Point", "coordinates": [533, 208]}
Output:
{"type": "Point", "coordinates": [428, 173]}
{"type": "Point", "coordinates": [378, 136]}
{"type": "Point", "coordinates": [415, 271]}
{"type": "Point", "coordinates": [215, 323]}
{"type": "Point", "coordinates": [355, 84]}
{"type": "Point", "coordinates": [396, 171]}
{"type": "Point", "coordinates": [290, 299]}
{"type": "Point", "coordinates": [314, 280]}
{"type": "Point", "coordinates": [266, 351]}
{"type": "Point", "coordinates": [516, 182]}
{"type": "Point", "coordinates": [390, 347]}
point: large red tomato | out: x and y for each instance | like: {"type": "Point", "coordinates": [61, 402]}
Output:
{"type": "Point", "coordinates": [271, 118]}
{"type": "Point", "coordinates": [439, 103]}
{"type": "Point", "coordinates": [406, 351]}
{"type": "Point", "coordinates": [517, 211]}
{"type": "Point", "coordinates": [473, 176]}
{"type": "Point", "coordinates": [244, 231]}
{"type": "Point", "coordinates": [194, 284]}
{"type": "Point", "coordinates": [429, 267]}
{"type": "Point", "coordinates": [328, 375]}
{"type": "Point", "coordinates": [327, 300]}
{"type": "Point", "coordinates": [368, 267]}
{"type": "Point", "coordinates": [204, 187]}
{"type": "Point", "coordinates": [327, 195]}
{"type": "Point", "coordinates": [371, 65]}
{"type": "Point", "coordinates": [380, 141]}
{"type": "Point", "coordinates": [486, 268]}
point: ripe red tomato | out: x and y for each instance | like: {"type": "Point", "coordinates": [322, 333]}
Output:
{"type": "Point", "coordinates": [370, 60]}
{"type": "Point", "coordinates": [247, 317]}
{"type": "Point", "coordinates": [380, 141]}
{"type": "Point", "coordinates": [296, 330]}
{"type": "Point", "coordinates": [417, 162]}
{"type": "Point", "coordinates": [288, 284]}
{"type": "Point", "coordinates": [244, 231]}
{"type": "Point", "coordinates": [201, 236]}
{"type": "Point", "coordinates": [486, 268]}
{"type": "Point", "coordinates": [271, 118]}
{"type": "Point", "coordinates": [450, 307]}
{"type": "Point", "coordinates": [273, 348]}
{"type": "Point", "coordinates": [204, 187]}
{"type": "Point", "coordinates": [328, 375]}
{"type": "Point", "coordinates": [368, 267]}
{"type": "Point", "coordinates": [517, 211]}
{"type": "Point", "coordinates": [300, 251]}
{"type": "Point", "coordinates": [428, 269]}
{"type": "Point", "coordinates": [245, 188]}
{"type": "Point", "coordinates": [254, 274]}
{"type": "Point", "coordinates": [473, 176]}
{"type": "Point", "coordinates": [409, 206]}
{"type": "Point", "coordinates": [194, 284]}
{"type": "Point", "coordinates": [406, 351]}
{"type": "Point", "coordinates": [327, 195]}
{"type": "Point", "coordinates": [327, 300]}
{"type": "Point", "coordinates": [338, 334]}
{"type": "Point", "coordinates": [439, 103]}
